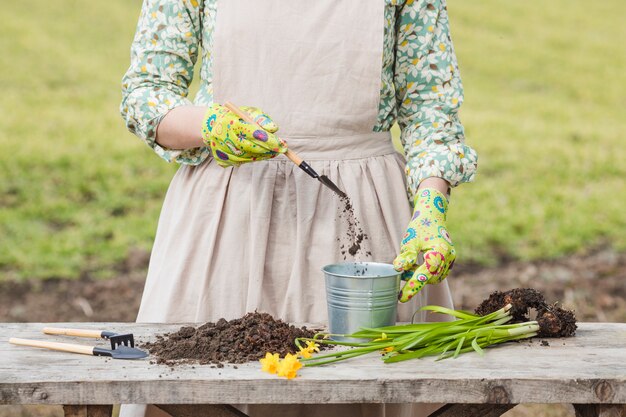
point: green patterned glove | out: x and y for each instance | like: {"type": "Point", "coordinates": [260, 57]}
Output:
{"type": "Point", "coordinates": [426, 233]}
{"type": "Point", "coordinates": [234, 141]}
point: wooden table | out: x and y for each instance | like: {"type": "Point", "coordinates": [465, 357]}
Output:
{"type": "Point", "coordinates": [588, 370]}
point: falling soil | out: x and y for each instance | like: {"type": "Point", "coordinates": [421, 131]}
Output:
{"type": "Point", "coordinates": [360, 272]}
{"type": "Point", "coordinates": [354, 236]}
{"type": "Point", "coordinates": [553, 320]}
{"type": "Point", "coordinates": [236, 341]}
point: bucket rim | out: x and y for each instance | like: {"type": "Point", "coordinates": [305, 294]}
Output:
{"type": "Point", "coordinates": [396, 273]}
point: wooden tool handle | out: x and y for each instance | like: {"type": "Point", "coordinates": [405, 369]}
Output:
{"type": "Point", "coordinates": [230, 106]}
{"type": "Point", "coordinates": [64, 347]}
{"type": "Point", "coordinates": [294, 158]}
{"type": "Point", "coordinates": [73, 332]}
{"type": "Point", "coordinates": [245, 116]}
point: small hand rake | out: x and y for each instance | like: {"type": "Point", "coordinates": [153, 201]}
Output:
{"type": "Point", "coordinates": [116, 339]}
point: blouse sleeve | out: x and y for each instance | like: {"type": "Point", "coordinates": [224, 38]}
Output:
{"type": "Point", "coordinates": [163, 54]}
{"type": "Point", "coordinates": [428, 94]}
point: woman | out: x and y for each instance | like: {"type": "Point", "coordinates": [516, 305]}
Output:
{"type": "Point", "coordinates": [334, 75]}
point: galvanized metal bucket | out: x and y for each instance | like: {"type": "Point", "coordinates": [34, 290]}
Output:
{"type": "Point", "coordinates": [360, 294]}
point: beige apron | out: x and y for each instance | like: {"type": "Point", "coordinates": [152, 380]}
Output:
{"type": "Point", "coordinates": [254, 237]}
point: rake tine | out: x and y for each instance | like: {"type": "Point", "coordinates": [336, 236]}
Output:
{"type": "Point", "coordinates": [119, 339]}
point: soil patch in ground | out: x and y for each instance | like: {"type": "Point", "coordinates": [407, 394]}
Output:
{"type": "Point", "coordinates": [85, 299]}
{"type": "Point", "coordinates": [592, 284]}
{"type": "Point", "coordinates": [236, 341]}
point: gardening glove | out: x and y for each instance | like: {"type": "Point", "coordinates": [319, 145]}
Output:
{"type": "Point", "coordinates": [426, 233]}
{"type": "Point", "coordinates": [233, 141]}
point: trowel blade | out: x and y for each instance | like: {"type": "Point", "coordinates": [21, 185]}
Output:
{"type": "Point", "coordinates": [120, 352]}
{"type": "Point", "coordinates": [327, 182]}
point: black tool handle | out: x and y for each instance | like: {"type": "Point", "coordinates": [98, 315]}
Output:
{"type": "Point", "coordinates": [307, 168]}
{"type": "Point", "coordinates": [101, 352]}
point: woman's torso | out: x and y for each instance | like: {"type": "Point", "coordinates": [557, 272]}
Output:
{"type": "Point", "coordinates": [386, 109]}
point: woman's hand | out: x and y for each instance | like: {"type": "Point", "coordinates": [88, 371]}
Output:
{"type": "Point", "coordinates": [426, 233]}
{"type": "Point", "coordinates": [234, 141]}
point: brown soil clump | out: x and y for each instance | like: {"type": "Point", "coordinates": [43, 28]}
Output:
{"type": "Point", "coordinates": [521, 300]}
{"type": "Point", "coordinates": [236, 341]}
{"type": "Point", "coordinates": [553, 320]}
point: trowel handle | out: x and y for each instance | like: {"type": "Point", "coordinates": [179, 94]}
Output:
{"type": "Point", "coordinates": [294, 158]}
{"type": "Point", "coordinates": [63, 347]}
{"type": "Point", "coordinates": [245, 116]}
{"type": "Point", "coordinates": [73, 332]}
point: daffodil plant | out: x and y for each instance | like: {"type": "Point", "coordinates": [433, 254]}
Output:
{"type": "Point", "coordinates": [468, 332]}
{"type": "Point", "coordinates": [289, 365]}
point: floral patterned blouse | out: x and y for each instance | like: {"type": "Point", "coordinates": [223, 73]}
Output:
{"type": "Point", "coordinates": [421, 87]}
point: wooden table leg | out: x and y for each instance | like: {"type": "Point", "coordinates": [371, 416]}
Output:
{"type": "Point", "coordinates": [201, 410]}
{"type": "Point", "coordinates": [600, 410]}
{"type": "Point", "coordinates": [472, 410]}
{"type": "Point", "coordinates": [88, 410]}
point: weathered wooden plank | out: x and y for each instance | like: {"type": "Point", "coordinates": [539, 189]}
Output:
{"type": "Point", "coordinates": [472, 410]}
{"type": "Point", "coordinates": [600, 410]}
{"type": "Point", "coordinates": [87, 410]}
{"type": "Point", "coordinates": [301, 392]}
{"type": "Point", "coordinates": [201, 410]}
{"type": "Point", "coordinates": [589, 368]}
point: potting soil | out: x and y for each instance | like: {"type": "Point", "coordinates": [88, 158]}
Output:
{"type": "Point", "coordinates": [236, 341]}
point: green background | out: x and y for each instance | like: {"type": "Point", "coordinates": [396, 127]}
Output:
{"type": "Point", "coordinates": [545, 109]}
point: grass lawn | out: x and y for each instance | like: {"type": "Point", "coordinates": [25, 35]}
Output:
{"type": "Point", "coordinates": [545, 103]}
{"type": "Point", "coordinates": [544, 108]}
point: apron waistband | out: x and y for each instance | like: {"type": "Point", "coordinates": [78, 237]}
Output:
{"type": "Point", "coordinates": [358, 146]}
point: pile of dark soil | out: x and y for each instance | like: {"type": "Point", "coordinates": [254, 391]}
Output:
{"type": "Point", "coordinates": [553, 320]}
{"type": "Point", "coordinates": [237, 341]}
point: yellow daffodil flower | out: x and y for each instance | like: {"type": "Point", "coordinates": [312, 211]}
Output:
{"type": "Point", "coordinates": [305, 352]}
{"type": "Point", "coordinates": [270, 363]}
{"type": "Point", "coordinates": [312, 346]}
{"type": "Point", "coordinates": [288, 367]}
